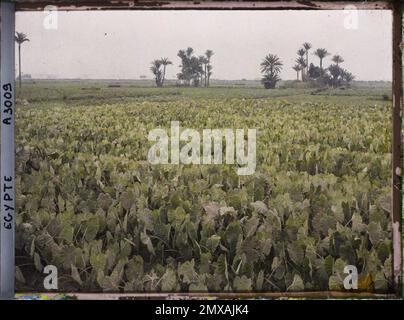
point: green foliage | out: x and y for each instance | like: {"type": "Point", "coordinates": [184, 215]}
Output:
{"type": "Point", "coordinates": [90, 204]}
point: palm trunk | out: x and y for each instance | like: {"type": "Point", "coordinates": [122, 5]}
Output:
{"type": "Point", "coordinates": [321, 66]}
{"type": "Point", "coordinates": [307, 62]}
{"type": "Point", "coordinates": [164, 75]}
{"type": "Point", "coordinates": [297, 75]}
{"type": "Point", "coordinates": [19, 63]}
{"type": "Point", "coordinates": [206, 83]}
{"type": "Point", "coordinates": [207, 73]}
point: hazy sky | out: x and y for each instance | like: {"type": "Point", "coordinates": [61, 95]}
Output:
{"type": "Point", "coordinates": [121, 44]}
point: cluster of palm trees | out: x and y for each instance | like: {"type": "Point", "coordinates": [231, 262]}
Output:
{"type": "Point", "coordinates": [158, 68]}
{"type": "Point", "coordinates": [334, 75]}
{"type": "Point", "coordinates": [337, 76]}
{"type": "Point", "coordinates": [302, 62]}
{"type": "Point", "coordinates": [195, 70]}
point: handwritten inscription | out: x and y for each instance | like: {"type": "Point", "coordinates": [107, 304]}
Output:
{"type": "Point", "coordinates": [8, 206]}
{"type": "Point", "coordinates": [8, 103]}
{"type": "Point", "coordinates": [7, 180]}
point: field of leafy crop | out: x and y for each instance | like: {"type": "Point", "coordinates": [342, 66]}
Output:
{"type": "Point", "coordinates": [90, 203]}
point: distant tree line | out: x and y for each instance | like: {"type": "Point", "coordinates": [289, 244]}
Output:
{"type": "Point", "coordinates": [195, 70]}
{"type": "Point", "coordinates": [333, 76]}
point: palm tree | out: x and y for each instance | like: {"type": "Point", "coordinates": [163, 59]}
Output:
{"type": "Point", "coordinates": [301, 52]}
{"type": "Point", "coordinates": [204, 75]}
{"type": "Point", "coordinates": [321, 53]}
{"type": "Point", "coordinates": [347, 76]}
{"type": "Point", "coordinates": [302, 64]}
{"type": "Point", "coordinates": [296, 67]}
{"type": "Point", "coordinates": [336, 75]}
{"type": "Point", "coordinates": [209, 73]}
{"type": "Point", "coordinates": [20, 38]}
{"type": "Point", "coordinates": [307, 47]}
{"type": "Point", "coordinates": [165, 62]}
{"type": "Point", "coordinates": [208, 54]}
{"type": "Point", "coordinates": [337, 59]}
{"type": "Point", "coordinates": [189, 51]}
{"type": "Point", "coordinates": [271, 66]}
{"type": "Point", "coordinates": [158, 73]}
{"type": "Point", "coordinates": [186, 68]}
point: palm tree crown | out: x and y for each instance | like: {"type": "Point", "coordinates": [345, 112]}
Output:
{"type": "Point", "coordinates": [301, 62]}
{"type": "Point", "coordinates": [271, 64]}
{"type": "Point", "coordinates": [321, 53]}
{"type": "Point", "coordinates": [189, 51]}
{"type": "Point", "coordinates": [337, 59]}
{"type": "Point", "coordinates": [209, 54]}
{"type": "Point", "coordinates": [20, 37]}
{"type": "Point", "coordinates": [165, 61]}
{"type": "Point", "coordinates": [307, 46]}
{"type": "Point", "coordinates": [301, 52]}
